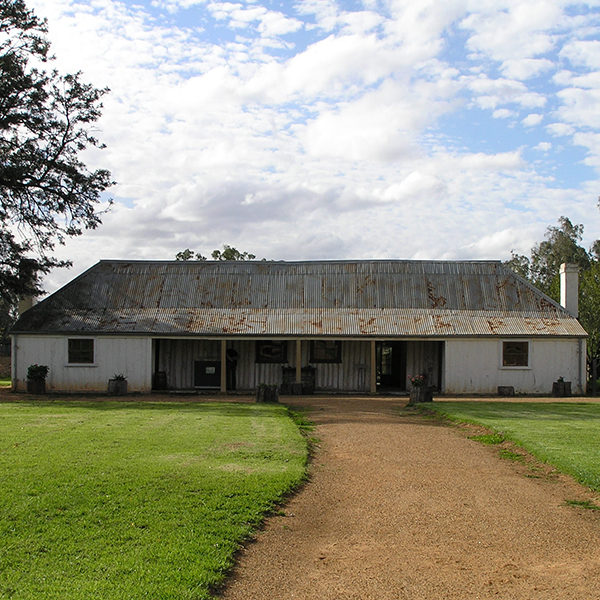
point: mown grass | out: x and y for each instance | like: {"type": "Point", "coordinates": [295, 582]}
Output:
{"type": "Point", "coordinates": [566, 435]}
{"type": "Point", "coordinates": [5, 382]}
{"type": "Point", "coordinates": [136, 500]}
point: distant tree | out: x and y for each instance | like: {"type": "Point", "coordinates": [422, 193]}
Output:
{"type": "Point", "coordinates": [46, 192]}
{"type": "Point", "coordinates": [228, 253]}
{"type": "Point", "coordinates": [188, 254]}
{"type": "Point", "coordinates": [562, 245]}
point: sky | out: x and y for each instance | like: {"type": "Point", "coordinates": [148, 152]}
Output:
{"type": "Point", "coordinates": [316, 129]}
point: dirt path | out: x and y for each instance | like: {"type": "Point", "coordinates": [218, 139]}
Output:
{"type": "Point", "coordinates": [399, 507]}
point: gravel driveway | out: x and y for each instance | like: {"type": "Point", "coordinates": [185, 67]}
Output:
{"type": "Point", "coordinates": [401, 507]}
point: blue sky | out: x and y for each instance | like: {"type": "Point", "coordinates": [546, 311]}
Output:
{"type": "Point", "coordinates": [320, 130]}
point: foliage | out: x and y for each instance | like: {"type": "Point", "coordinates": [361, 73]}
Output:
{"type": "Point", "coordinates": [119, 377]}
{"type": "Point", "coordinates": [7, 318]}
{"type": "Point", "coordinates": [229, 253]}
{"type": "Point", "coordinates": [562, 245]}
{"type": "Point", "coordinates": [562, 434]}
{"type": "Point", "coordinates": [46, 192]}
{"type": "Point", "coordinates": [151, 501]}
{"type": "Point", "coordinates": [418, 381]}
{"type": "Point", "coordinates": [38, 372]}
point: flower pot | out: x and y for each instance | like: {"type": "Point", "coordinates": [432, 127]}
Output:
{"type": "Point", "coordinates": [561, 389]}
{"type": "Point", "coordinates": [117, 387]}
{"type": "Point", "coordinates": [36, 386]}
{"type": "Point", "coordinates": [420, 394]}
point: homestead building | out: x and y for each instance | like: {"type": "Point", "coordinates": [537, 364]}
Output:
{"type": "Point", "coordinates": [330, 326]}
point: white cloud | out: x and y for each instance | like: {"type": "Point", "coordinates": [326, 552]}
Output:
{"type": "Point", "coordinates": [503, 113]}
{"type": "Point", "coordinates": [510, 31]}
{"type": "Point", "coordinates": [532, 119]}
{"type": "Point", "coordinates": [490, 93]}
{"type": "Point", "coordinates": [560, 129]}
{"type": "Point", "coordinates": [543, 147]}
{"type": "Point", "coordinates": [580, 107]}
{"type": "Point", "coordinates": [583, 53]}
{"type": "Point", "coordinates": [525, 68]}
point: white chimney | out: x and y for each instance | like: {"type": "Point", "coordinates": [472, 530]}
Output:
{"type": "Point", "coordinates": [26, 304]}
{"type": "Point", "coordinates": [569, 288]}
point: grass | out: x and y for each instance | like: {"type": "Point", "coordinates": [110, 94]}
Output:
{"type": "Point", "coordinates": [562, 434]}
{"type": "Point", "coordinates": [587, 504]}
{"type": "Point", "coordinates": [136, 500]}
{"type": "Point", "coordinates": [5, 382]}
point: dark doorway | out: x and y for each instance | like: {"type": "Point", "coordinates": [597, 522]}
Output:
{"type": "Point", "coordinates": [391, 366]}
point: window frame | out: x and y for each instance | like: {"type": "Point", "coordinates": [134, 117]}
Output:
{"type": "Point", "coordinates": [324, 360]}
{"type": "Point", "coordinates": [504, 347]}
{"type": "Point", "coordinates": [261, 356]}
{"type": "Point", "coordinates": [71, 363]}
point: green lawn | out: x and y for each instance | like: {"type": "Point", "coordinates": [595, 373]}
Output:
{"type": "Point", "coordinates": [5, 382]}
{"type": "Point", "coordinates": [136, 500]}
{"type": "Point", "coordinates": [566, 435]}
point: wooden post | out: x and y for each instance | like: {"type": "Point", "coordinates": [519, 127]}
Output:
{"type": "Point", "coordinates": [373, 365]}
{"type": "Point", "coordinates": [223, 366]}
{"type": "Point", "coordinates": [298, 361]}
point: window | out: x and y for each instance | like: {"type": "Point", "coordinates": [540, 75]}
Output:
{"type": "Point", "coordinates": [325, 351]}
{"type": "Point", "coordinates": [81, 351]}
{"type": "Point", "coordinates": [271, 351]}
{"type": "Point", "coordinates": [515, 354]}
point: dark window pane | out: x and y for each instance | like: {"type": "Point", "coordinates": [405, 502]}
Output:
{"type": "Point", "coordinates": [81, 351]}
{"type": "Point", "coordinates": [515, 354]}
{"type": "Point", "coordinates": [270, 351]}
{"type": "Point", "coordinates": [325, 351]}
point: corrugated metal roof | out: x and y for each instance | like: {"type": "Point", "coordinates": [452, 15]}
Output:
{"type": "Point", "coordinates": [325, 298]}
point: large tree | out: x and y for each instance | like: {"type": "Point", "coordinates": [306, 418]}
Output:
{"type": "Point", "coordinates": [561, 245]}
{"type": "Point", "coordinates": [46, 121]}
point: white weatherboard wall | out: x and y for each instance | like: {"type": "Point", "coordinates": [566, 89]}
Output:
{"type": "Point", "coordinates": [475, 366]}
{"type": "Point", "coordinates": [130, 356]}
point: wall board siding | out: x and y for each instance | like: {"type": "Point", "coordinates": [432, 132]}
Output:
{"type": "Point", "coordinates": [130, 356]}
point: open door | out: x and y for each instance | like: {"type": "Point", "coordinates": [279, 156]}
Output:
{"type": "Point", "coordinates": [391, 366]}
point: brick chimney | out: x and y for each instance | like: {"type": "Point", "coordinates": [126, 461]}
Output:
{"type": "Point", "coordinates": [569, 288]}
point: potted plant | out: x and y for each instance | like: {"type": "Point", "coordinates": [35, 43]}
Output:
{"type": "Point", "coordinates": [561, 388]}
{"type": "Point", "coordinates": [420, 392]}
{"type": "Point", "coordinates": [117, 386]}
{"type": "Point", "coordinates": [36, 379]}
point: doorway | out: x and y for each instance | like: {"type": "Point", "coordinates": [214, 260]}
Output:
{"type": "Point", "coordinates": [391, 366]}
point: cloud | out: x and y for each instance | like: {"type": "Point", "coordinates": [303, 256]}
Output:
{"type": "Point", "coordinates": [543, 146]}
{"type": "Point", "coordinates": [513, 31]}
{"type": "Point", "coordinates": [490, 93]}
{"type": "Point", "coordinates": [584, 53]}
{"type": "Point", "coordinates": [532, 119]}
{"type": "Point", "coordinates": [525, 68]}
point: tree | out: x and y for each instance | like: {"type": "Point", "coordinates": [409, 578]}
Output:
{"type": "Point", "coordinates": [46, 121]}
{"type": "Point", "coordinates": [229, 253]}
{"type": "Point", "coordinates": [562, 245]}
